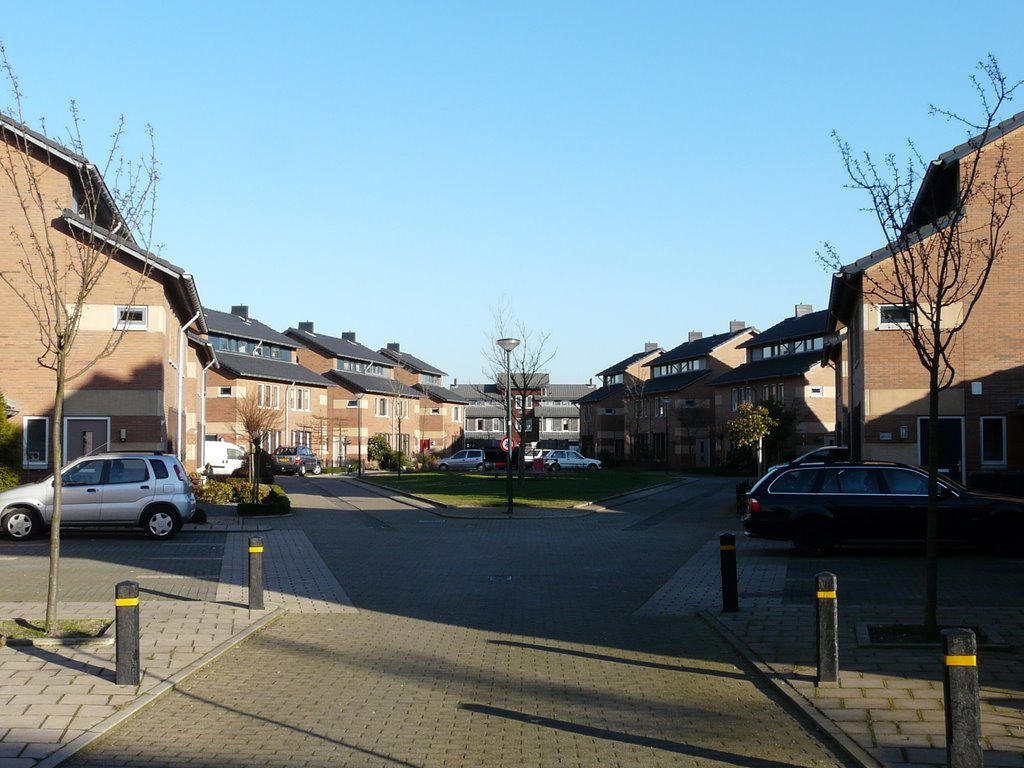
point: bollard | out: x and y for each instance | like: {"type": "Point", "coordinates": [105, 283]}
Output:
{"type": "Point", "coordinates": [255, 574]}
{"type": "Point", "coordinates": [960, 693]}
{"type": "Point", "coordinates": [828, 628]}
{"type": "Point", "coordinates": [730, 594]}
{"type": "Point", "coordinates": [126, 612]}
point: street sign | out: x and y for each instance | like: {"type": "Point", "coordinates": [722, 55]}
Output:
{"type": "Point", "coordinates": [504, 444]}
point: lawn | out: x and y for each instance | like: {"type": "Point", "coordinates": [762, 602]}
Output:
{"type": "Point", "coordinates": [488, 489]}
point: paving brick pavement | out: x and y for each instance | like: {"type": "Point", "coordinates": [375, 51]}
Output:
{"type": "Point", "coordinates": [55, 699]}
{"type": "Point", "coordinates": [888, 705]}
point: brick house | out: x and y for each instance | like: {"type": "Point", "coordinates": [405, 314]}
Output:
{"type": "Point", "coordinates": [368, 397]}
{"type": "Point", "coordinates": [883, 389]}
{"type": "Point", "coordinates": [440, 411]}
{"type": "Point", "coordinates": [255, 361]}
{"type": "Point", "coordinates": [784, 365]}
{"type": "Point", "coordinates": [145, 395]}
{"type": "Point", "coordinates": [676, 417]}
{"type": "Point", "coordinates": [545, 415]}
{"type": "Point", "coordinates": [602, 410]}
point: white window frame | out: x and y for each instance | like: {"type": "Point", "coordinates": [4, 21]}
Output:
{"type": "Point", "coordinates": [456, 414]}
{"type": "Point", "coordinates": [222, 393]}
{"type": "Point", "coordinates": [44, 460]}
{"type": "Point", "coordinates": [887, 325]}
{"type": "Point", "coordinates": [382, 406]}
{"type": "Point", "coordinates": [989, 462]}
{"type": "Point", "coordinates": [128, 323]}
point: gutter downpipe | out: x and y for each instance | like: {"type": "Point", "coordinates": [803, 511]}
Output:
{"type": "Point", "coordinates": [202, 414]}
{"type": "Point", "coordinates": [181, 384]}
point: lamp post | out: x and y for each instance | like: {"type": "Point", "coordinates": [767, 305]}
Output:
{"type": "Point", "coordinates": [508, 345]}
{"type": "Point", "coordinates": [359, 431]}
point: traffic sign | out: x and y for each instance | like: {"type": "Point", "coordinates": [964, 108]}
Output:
{"type": "Point", "coordinates": [504, 444]}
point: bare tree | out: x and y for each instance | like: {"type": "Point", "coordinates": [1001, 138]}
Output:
{"type": "Point", "coordinates": [942, 242]}
{"type": "Point", "coordinates": [634, 390]}
{"type": "Point", "coordinates": [258, 420]}
{"type": "Point", "coordinates": [528, 364]}
{"type": "Point", "coordinates": [58, 271]}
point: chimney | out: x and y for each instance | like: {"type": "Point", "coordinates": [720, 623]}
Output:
{"type": "Point", "coordinates": [735, 326]}
{"type": "Point", "coordinates": [241, 310]}
{"type": "Point", "coordinates": [695, 336]}
{"type": "Point", "coordinates": [306, 326]}
{"type": "Point", "coordinates": [349, 336]}
{"type": "Point", "coordinates": [650, 346]}
{"type": "Point", "coordinates": [394, 346]}
{"type": "Point", "coordinates": [804, 309]}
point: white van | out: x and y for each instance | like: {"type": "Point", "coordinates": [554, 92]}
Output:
{"type": "Point", "coordinates": [223, 458]}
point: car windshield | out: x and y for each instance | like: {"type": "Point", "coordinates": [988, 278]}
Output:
{"type": "Point", "coordinates": [284, 452]}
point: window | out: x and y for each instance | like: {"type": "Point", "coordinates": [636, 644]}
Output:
{"type": "Point", "coordinates": [298, 399]}
{"type": "Point", "coordinates": [905, 483]}
{"type": "Point", "coordinates": [456, 413]}
{"type": "Point", "coordinates": [480, 425]}
{"type": "Point", "coordinates": [128, 471]}
{"type": "Point", "coordinates": [609, 411]}
{"type": "Point", "coordinates": [435, 411]}
{"type": "Point", "coordinates": [36, 441]}
{"type": "Point", "coordinates": [268, 395]}
{"type": "Point", "coordinates": [993, 440]}
{"type": "Point", "coordinates": [223, 391]}
{"type": "Point", "coordinates": [893, 316]}
{"type": "Point", "coordinates": [382, 406]}
{"type": "Point", "coordinates": [131, 318]}
{"type": "Point", "coordinates": [817, 392]}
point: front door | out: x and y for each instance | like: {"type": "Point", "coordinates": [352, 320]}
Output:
{"type": "Point", "coordinates": [83, 436]}
{"type": "Point", "coordinates": [951, 445]}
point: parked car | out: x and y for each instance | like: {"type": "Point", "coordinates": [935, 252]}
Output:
{"type": "Point", "coordinates": [821, 506]}
{"type": "Point", "coordinates": [296, 460]}
{"type": "Point", "coordinates": [222, 458]}
{"type": "Point", "coordinates": [824, 455]}
{"type": "Point", "coordinates": [467, 459]}
{"type": "Point", "coordinates": [133, 489]}
{"type": "Point", "coordinates": [556, 460]}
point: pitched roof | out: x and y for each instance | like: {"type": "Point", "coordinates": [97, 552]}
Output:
{"type": "Point", "coordinates": [603, 393]}
{"type": "Point", "coordinates": [691, 350]}
{"type": "Point", "coordinates": [228, 324]}
{"type": "Point", "coordinates": [411, 362]}
{"type": "Point", "coordinates": [566, 391]}
{"type": "Point", "coordinates": [807, 326]}
{"type": "Point", "coordinates": [674, 383]}
{"type": "Point", "coordinates": [623, 365]}
{"type": "Point", "coordinates": [253, 367]}
{"type": "Point", "coordinates": [376, 385]}
{"type": "Point", "coordinates": [342, 348]}
{"type": "Point", "coordinates": [441, 394]}
{"type": "Point", "coordinates": [771, 368]}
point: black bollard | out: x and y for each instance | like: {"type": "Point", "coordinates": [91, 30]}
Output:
{"type": "Point", "coordinates": [255, 574]}
{"type": "Point", "coordinates": [126, 613]}
{"type": "Point", "coordinates": [960, 692]}
{"type": "Point", "coordinates": [730, 592]}
{"type": "Point", "coordinates": [828, 628]}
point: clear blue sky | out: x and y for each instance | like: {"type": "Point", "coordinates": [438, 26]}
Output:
{"type": "Point", "coordinates": [614, 173]}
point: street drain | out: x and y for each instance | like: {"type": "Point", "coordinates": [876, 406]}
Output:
{"type": "Point", "coordinates": [498, 579]}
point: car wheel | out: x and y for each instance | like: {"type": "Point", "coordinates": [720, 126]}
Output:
{"type": "Point", "coordinates": [814, 536]}
{"type": "Point", "coordinates": [20, 524]}
{"type": "Point", "coordinates": [443, 467]}
{"type": "Point", "coordinates": [161, 524]}
{"type": "Point", "coordinates": [317, 469]}
{"type": "Point", "coordinates": [302, 470]}
{"type": "Point", "coordinates": [479, 467]}
{"type": "Point", "coordinates": [591, 466]}
{"type": "Point", "coordinates": [553, 467]}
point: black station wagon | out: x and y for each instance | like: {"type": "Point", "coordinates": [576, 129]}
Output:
{"type": "Point", "coordinates": [821, 506]}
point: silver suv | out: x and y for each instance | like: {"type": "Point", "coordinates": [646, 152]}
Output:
{"type": "Point", "coordinates": [138, 489]}
{"type": "Point", "coordinates": [471, 458]}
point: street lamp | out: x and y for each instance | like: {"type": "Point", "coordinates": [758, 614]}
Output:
{"type": "Point", "coordinates": [508, 345]}
{"type": "Point", "coordinates": [359, 431]}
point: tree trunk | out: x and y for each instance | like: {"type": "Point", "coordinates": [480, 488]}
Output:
{"type": "Point", "coordinates": [931, 548]}
{"type": "Point", "coordinates": [57, 458]}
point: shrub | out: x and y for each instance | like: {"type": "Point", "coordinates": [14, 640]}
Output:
{"type": "Point", "coordinates": [216, 492]}
{"type": "Point", "coordinates": [9, 477]}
